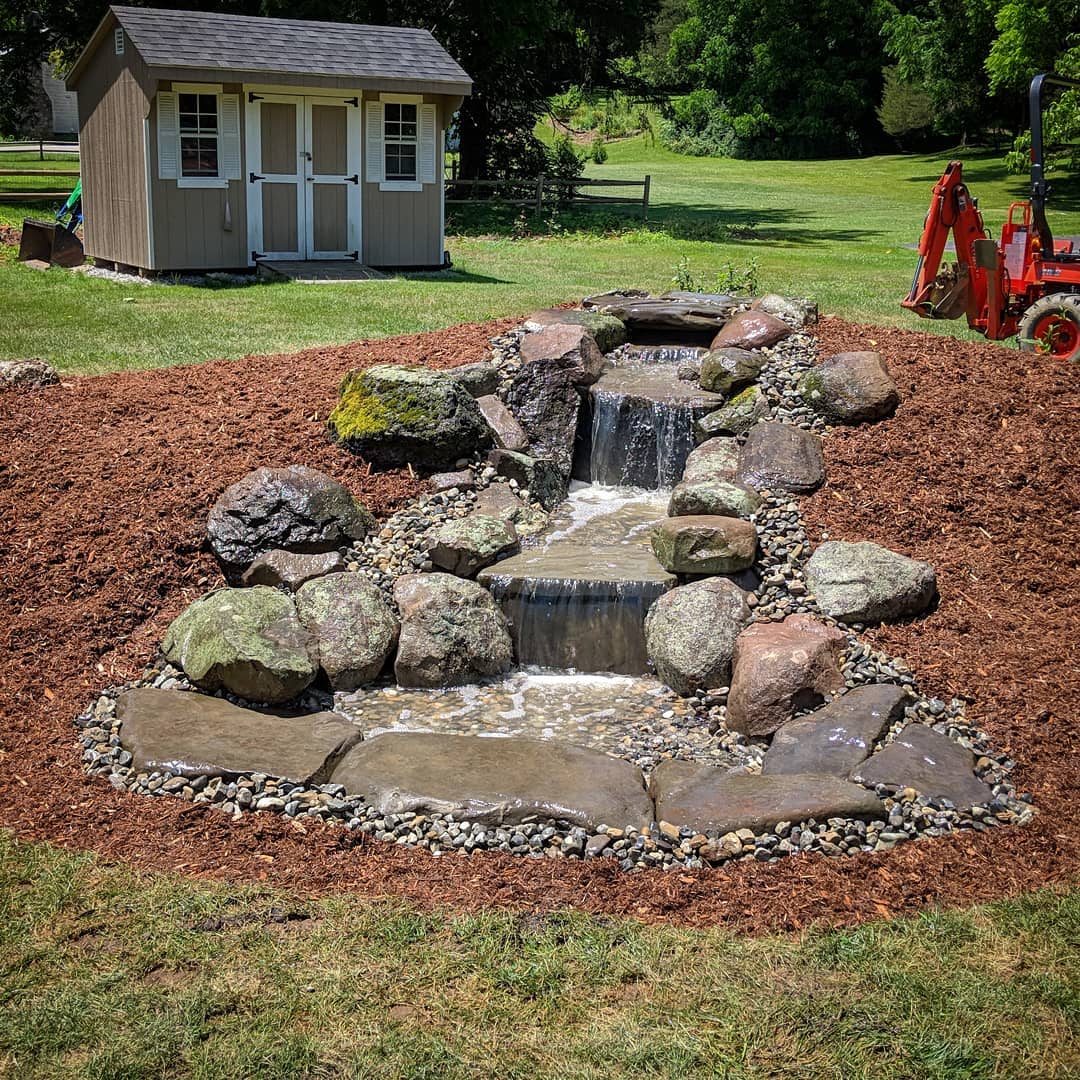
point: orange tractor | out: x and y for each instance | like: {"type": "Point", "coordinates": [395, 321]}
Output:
{"type": "Point", "coordinates": [1027, 283]}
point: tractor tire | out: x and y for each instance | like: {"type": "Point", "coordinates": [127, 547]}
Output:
{"type": "Point", "coordinates": [1052, 326]}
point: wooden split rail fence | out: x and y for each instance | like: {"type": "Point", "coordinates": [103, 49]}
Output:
{"type": "Point", "coordinates": [41, 147]}
{"type": "Point", "coordinates": [533, 192]}
{"type": "Point", "coordinates": [26, 196]}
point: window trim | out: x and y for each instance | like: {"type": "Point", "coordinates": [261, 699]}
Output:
{"type": "Point", "coordinates": [416, 184]}
{"type": "Point", "coordinates": [206, 181]}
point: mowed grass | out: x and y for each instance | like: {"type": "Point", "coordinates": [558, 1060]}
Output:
{"type": "Point", "coordinates": [106, 973]}
{"type": "Point", "coordinates": [833, 230]}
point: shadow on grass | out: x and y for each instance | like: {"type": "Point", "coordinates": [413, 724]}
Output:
{"type": "Point", "coordinates": [710, 224]}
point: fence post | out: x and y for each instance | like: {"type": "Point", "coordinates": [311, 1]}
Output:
{"type": "Point", "coordinates": [41, 149]}
{"type": "Point", "coordinates": [645, 199]}
{"type": "Point", "coordinates": [540, 193]}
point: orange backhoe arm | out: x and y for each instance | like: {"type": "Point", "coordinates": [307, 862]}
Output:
{"type": "Point", "coordinates": [939, 293]}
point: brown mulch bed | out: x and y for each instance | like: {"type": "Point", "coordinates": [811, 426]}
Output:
{"type": "Point", "coordinates": [104, 487]}
{"type": "Point", "coordinates": [9, 235]}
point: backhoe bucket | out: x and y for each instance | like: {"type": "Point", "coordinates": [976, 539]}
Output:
{"type": "Point", "coordinates": [49, 242]}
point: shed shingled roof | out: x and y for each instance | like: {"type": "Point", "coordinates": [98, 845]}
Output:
{"type": "Point", "coordinates": [211, 41]}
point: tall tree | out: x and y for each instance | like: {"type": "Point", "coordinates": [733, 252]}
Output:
{"type": "Point", "coordinates": [940, 46]}
{"type": "Point", "coordinates": [796, 79]}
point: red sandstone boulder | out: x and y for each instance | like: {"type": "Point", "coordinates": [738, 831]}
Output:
{"type": "Point", "coordinates": [566, 346]}
{"type": "Point", "coordinates": [781, 668]}
{"type": "Point", "coordinates": [751, 330]}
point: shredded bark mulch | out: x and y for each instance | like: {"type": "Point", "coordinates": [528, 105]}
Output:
{"type": "Point", "coordinates": [104, 488]}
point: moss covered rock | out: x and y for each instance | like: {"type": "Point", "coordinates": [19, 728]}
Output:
{"type": "Point", "coordinates": [691, 632]}
{"type": "Point", "coordinates": [247, 641]}
{"type": "Point", "coordinates": [737, 417]}
{"type": "Point", "coordinates": [727, 371]}
{"type": "Point", "coordinates": [353, 625]}
{"type": "Point", "coordinates": [394, 415]}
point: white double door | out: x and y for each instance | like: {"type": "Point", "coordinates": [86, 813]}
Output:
{"type": "Point", "coordinates": [304, 175]}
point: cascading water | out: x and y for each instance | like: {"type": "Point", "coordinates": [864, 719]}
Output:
{"type": "Point", "coordinates": [577, 596]}
{"type": "Point", "coordinates": [643, 426]}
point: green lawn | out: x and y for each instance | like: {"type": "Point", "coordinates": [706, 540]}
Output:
{"type": "Point", "coordinates": [833, 230]}
{"type": "Point", "coordinates": [105, 973]}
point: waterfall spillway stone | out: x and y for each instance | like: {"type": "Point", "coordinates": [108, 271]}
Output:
{"type": "Point", "coordinates": [580, 608]}
{"type": "Point", "coordinates": [642, 425]}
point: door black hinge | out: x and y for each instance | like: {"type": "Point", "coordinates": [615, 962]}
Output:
{"type": "Point", "coordinates": [252, 177]}
{"type": "Point", "coordinates": [254, 97]}
{"type": "Point", "coordinates": [354, 179]}
{"type": "Point", "coordinates": [257, 255]}
{"type": "Point", "coordinates": [355, 256]}
{"type": "Point", "coordinates": [354, 101]}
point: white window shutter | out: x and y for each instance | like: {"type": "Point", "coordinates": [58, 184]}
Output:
{"type": "Point", "coordinates": [373, 142]}
{"type": "Point", "coordinates": [425, 153]}
{"type": "Point", "coordinates": [168, 136]}
{"type": "Point", "coordinates": [230, 137]}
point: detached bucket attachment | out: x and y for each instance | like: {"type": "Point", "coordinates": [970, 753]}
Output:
{"type": "Point", "coordinates": [50, 242]}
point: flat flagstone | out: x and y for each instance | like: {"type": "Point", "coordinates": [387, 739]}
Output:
{"type": "Point", "coordinates": [836, 738]}
{"type": "Point", "coordinates": [189, 734]}
{"type": "Point", "coordinates": [707, 799]}
{"type": "Point", "coordinates": [931, 763]}
{"type": "Point", "coordinates": [496, 781]}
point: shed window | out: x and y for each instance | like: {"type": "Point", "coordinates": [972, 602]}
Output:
{"type": "Point", "coordinates": [400, 140]}
{"type": "Point", "coordinates": [199, 151]}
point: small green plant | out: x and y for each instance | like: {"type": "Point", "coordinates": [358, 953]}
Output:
{"type": "Point", "coordinates": [683, 278]}
{"type": "Point", "coordinates": [598, 151]}
{"type": "Point", "coordinates": [738, 279]}
{"type": "Point", "coordinates": [730, 278]}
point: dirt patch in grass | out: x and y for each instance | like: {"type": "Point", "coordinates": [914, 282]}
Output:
{"type": "Point", "coordinates": [10, 236]}
{"type": "Point", "coordinates": [104, 488]}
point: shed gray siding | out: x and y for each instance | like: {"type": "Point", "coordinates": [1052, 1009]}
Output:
{"type": "Point", "coordinates": [114, 96]}
{"type": "Point", "coordinates": [189, 223]}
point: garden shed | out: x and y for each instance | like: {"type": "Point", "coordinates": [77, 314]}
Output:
{"type": "Point", "coordinates": [212, 141]}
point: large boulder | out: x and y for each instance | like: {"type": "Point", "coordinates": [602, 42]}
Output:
{"type": "Point", "coordinates": [704, 545]}
{"type": "Point", "coordinates": [195, 735]}
{"type": "Point", "coordinates": [506, 432]}
{"type": "Point", "coordinates": [394, 415]}
{"type": "Point", "coordinates": [293, 509]}
{"type": "Point", "coordinates": [850, 388]}
{"type": "Point", "coordinates": [690, 633]}
{"type": "Point", "coordinates": [781, 457]}
{"type": "Point", "coordinates": [32, 373]}
{"type": "Point", "coordinates": [711, 800]}
{"type": "Point", "coordinates": [781, 668]}
{"type": "Point", "coordinates": [835, 739]}
{"type": "Point", "coordinates": [464, 546]}
{"type": "Point", "coordinates": [795, 311]}
{"type": "Point", "coordinates": [353, 626]}
{"type": "Point", "coordinates": [867, 583]}
{"type": "Point", "coordinates": [495, 781]}
{"type": "Point", "coordinates": [723, 498]}
{"type": "Point", "coordinates": [752, 330]}
{"type": "Point", "coordinates": [546, 403]}
{"type": "Point", "coordinates": [452, 632]}
{"type": "Point", "coordinates": [608, 332]}
{"type": "Point", "coordinates": [247, 641]}
{"type": "Point", "coordinates": [567, 347]}
{"type": "Point", "coordinates": [737, 417]}
{"type": "Point", "coordinates": [543, 478]}
{"type": "Point", "coordinates": [714, 459]}
{"type": "Point", "coordinates": [931, 763]}
{"type": "Point", "coordinates": [727, 371]}
{"type": "Point", "coordinates": [286, 570]}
